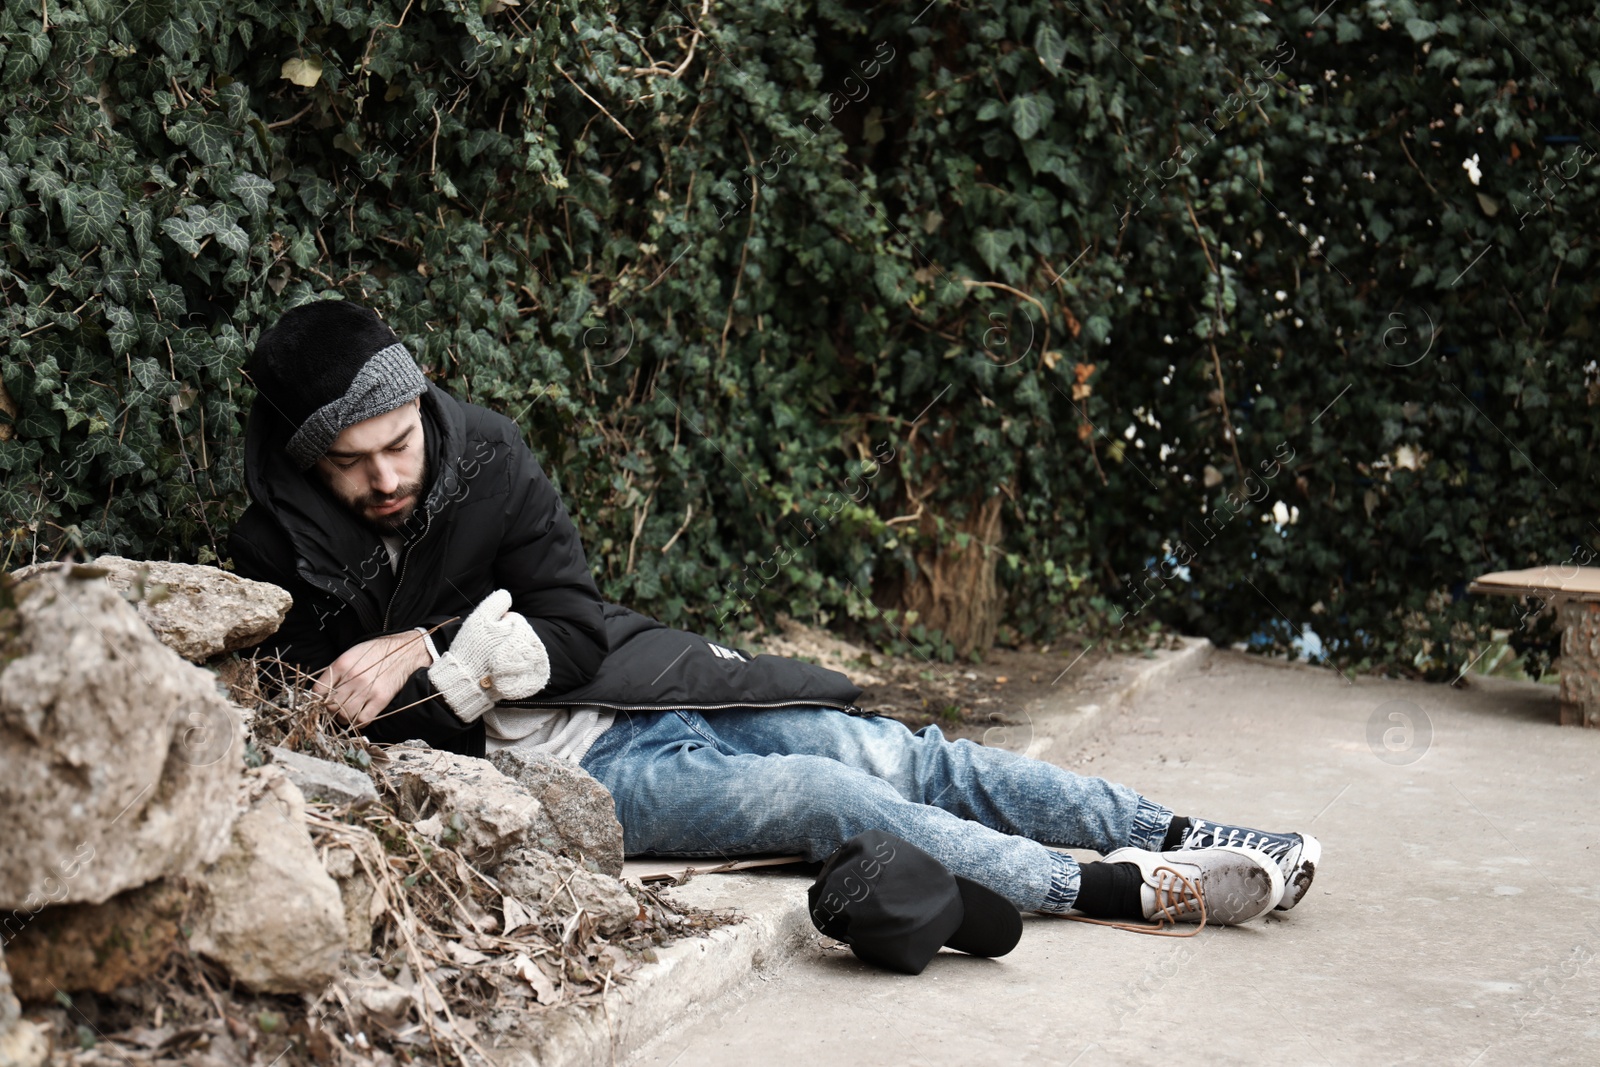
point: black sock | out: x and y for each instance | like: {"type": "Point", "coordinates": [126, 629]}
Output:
{"type": "Point", "coordinates": [1175, 833]}
{"type": "Point", "coordinates": [1110, 891]}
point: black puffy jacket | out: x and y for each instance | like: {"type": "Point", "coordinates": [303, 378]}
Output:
{"type": "Point", "coordinates": [490, 519]}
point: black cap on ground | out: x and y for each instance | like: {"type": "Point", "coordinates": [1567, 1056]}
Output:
{"type": "Point", "coordinates": [896, 906]}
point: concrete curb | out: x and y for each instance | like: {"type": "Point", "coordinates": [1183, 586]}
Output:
{"type": "Point", "coordinates": [690, 973]}
{"type": "Point", "coordinates": [1057, 726]}
{"type": "Point", "coordinates": [1167, 665]}
{"type": "Point", "coordinates": [695, 972]}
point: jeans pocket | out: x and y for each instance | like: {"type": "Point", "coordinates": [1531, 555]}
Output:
{"type": "Point", "coordinates": [697, 722]}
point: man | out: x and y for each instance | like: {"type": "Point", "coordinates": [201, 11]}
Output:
{"type": "Point", "coordinates": [441, 593]}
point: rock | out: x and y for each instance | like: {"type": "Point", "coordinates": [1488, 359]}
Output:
{"type": "Point", "coordinates": [320, 779]}
{"type": "Point", "coordinates": [22, 1043]}
{"type": "Point", "coordinates": [576, 811]}
{"type": "Point", "coordinates": [118, 757]}
{"type": "Point", "coordinates": [480, 812]}
{"type": "Point", "coordinates": [355, 892]}
{"type": "Point", "coordinates": [97, 948]}
{"type": "Point", "coordinates": [542, 882]}
{"type": "Point", "coordinates": [275, 918]}
{"type": "Point", "coordinates": [10, 1010]}
{"type": "Point", "coordinates": [203, 612]}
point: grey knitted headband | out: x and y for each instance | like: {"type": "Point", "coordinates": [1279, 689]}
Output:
{"type": "Point", "coordinates": [384, 382]}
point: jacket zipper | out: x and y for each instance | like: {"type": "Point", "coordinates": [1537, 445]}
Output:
{"type": "Point", "coordinates": [401, 577]}
{"type": "Point", "coordinates": [850, 709]}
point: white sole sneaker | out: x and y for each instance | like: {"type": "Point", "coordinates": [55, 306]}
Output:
{"type": "Point", "coordinates": [1297, 855]}
{"type": "Point", "coordinates": [1223, 884]}
{"type": "Point", "coordinates": [1299, 871]}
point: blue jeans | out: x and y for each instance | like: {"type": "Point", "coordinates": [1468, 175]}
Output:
{"type": "Point", "coordinates": [805, 780]}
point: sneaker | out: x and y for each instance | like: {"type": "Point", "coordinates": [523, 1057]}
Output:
{"type": "Point", "coordinates": [1297, 855]}
{"type": "Point", "coordinates": [1226, 884]}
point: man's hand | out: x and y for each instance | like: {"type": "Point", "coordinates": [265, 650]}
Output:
{"type": "Point", "coordinates": [361, 683]}
{"type": "Point", "coordinates": [496, 655]}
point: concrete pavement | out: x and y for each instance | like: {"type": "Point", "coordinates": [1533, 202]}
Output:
{"type": "Point", "coordinates": [1456, 919]}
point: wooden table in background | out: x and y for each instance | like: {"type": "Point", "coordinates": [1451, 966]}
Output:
{"type": "Point", "coordinates": [1574, 593]}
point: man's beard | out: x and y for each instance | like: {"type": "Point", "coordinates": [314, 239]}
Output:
{"type": "Point", "coordinates": [393, 523]}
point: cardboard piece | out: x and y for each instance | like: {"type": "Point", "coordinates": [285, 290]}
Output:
{"type": "Point", "coordinates": [681, 868]}
{"type": "Point", "coordinates": [1570, 583]}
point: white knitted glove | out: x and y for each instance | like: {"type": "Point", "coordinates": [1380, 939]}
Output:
{"type": "Point", "coordinates": [496, 656]}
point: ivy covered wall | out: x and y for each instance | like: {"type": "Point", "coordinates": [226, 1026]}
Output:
{"type": "Point", "coordinates": [1023, 316]}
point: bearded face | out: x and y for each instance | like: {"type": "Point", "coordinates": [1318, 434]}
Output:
{"type": "Point", "coordinates": [377, 468]}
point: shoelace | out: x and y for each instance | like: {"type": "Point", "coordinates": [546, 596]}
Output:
{"type": "Point", "coordinates": [1273, 845]}
{"type": "Point", "coordinates": [1171, 894]}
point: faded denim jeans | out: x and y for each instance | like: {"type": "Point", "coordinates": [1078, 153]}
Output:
{"type": "Point", "coordinates": [805, 780]}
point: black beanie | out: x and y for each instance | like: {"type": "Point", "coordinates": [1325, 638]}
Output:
{"type": "Point", "coordinates": [327, 365]}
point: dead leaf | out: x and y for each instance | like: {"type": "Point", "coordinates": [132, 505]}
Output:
{"type": "Point", "coordinates": [571, 926]}
{"type": "Point", "coordinates": [1081, 391]}
{"type": "Point", "coordinates": [423, 989]}
{"type": "Point", "coordinates": [480, 944]}
{"type": "Point", "coordinates": [1074, 327]}
{"type": "Point", "coordinates": [9, 407]}
{"type": "Point", "coordinates": [1407, 458]}
{"type": "Point", "coordinates": [463, 955]}
{"type": "Point", "coordinates": [303, 72]}
{"type": "Point", "coordinates": [515, 914]}
{"type": "Point", "coordinates": [147, 1038]}
{"type": "Point", "coordinates": [1082, 371]}
{"type": "Point", "coordinates": [380, 903]}
{"type": "Point", "coordinates": [379, 998]}
{"type": "Point", "coordinates": [543, 988]}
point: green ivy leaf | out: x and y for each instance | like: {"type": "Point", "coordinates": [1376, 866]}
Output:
{"type": "Point", "coordinates": [231, 237]}
{"type": "Point", "coordinates": [1044, 157]}
{"type": "Point", "coordinates": [124, 331]}
{"type": "Point", "coordinates": [186, 233]}
{"type": "Point", "coordinates": [141, 222]}
{"type": "Point", "coordinates": [318, 196]}
{"type": "Point", "coordinates": [1030, 114]}
{"type": "Point", "coordinates": [1421, 29]}
{"type": "Point", "coordinates": [207, 135]}
{"type": "Point", "coordinates": [47, 182]}
{"type": "Point", "coordinates": [254, 192]}
{"type": "Point", "coordinates": [992, 246]}
{"type": "Point", "coordinates": [177, 35]}
{"type": "Point", "coordinates": [91, 214]}
{"type": "Point", "coordinates": [1051, 47]}
{"type": "Point", "coordinates": [10, 183]}
{"type": "Point", "coordinates": [144, 16]}
{"type": "Point", "coordinates": [123, 460]}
